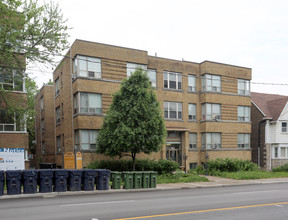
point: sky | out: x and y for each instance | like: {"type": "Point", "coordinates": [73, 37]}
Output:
{"type": "Point", "coordinates": [248, 33]}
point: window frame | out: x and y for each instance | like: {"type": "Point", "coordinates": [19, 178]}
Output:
{"type": "Point", "coordinates": [210, 107]}
{"type": "Point", "coordinates": [245, 89]}
{"type": "Point", "coordinates": [58, 143]}
{"type": "Point", "coordinates": [131, 67]}
{"type": "Point", "coordinates": [12, 85]}
{"type": "Point", "coordinates": [245, 137]}
{"type": "Point", "coordinates": [79, 139]}
{"type": "Point", "coordinates": [213, 81]}
{"type": "Point", "coordinates": [206, 135]}
{"type": "Point", "coordinates": [192, 140]}
{"type": "Point", "coordinates": [78, 107]}
{"type": "Point", "coordinates": [192, 88]}
{"type": "Point", "coordinates": [178, 105]}
{"type": "Point", "coordinates": [191, 107]}
{"type": "Point", "coordinates": [244, 117]}
{"type": "Point", "coordinates": [167, 85]}
{"type": "Point", "coordinates": [284, 127]}
{"type": "Point", "coordinates": [82, 60]}
{"type": "Point", "coordinates": [57, 87]}
{"type": "Point", "coordinates": [58, 115]}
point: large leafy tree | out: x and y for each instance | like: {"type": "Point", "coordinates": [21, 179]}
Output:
{"type": "Point", "coordinates": [134, 122]}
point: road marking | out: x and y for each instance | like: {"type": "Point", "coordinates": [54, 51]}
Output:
{"type": "Point", "coordinates": [264, 191]}
{"type": "Point", "coordinates": [96, 203]}
{"type": "Point", "coordinates": [208, 210]}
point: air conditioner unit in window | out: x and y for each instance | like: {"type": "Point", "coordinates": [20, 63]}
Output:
{"type": "Point", "coordinates": [214, 89]}
{"type": "Point", "coordinates": [92, 110]}
{"type": "Point", "coordinates": [91, 74]}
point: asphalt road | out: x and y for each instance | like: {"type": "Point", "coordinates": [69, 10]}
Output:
{"type": "Point", "coordinates": [269, 201]}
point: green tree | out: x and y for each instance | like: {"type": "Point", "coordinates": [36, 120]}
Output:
{"type": "Point", "coordinates": [134, 122]}
{"type": "Point", "coordinates": [32, 89]}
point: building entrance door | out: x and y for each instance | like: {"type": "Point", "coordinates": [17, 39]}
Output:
{"type": "Point", "coordinates": [173, 152]}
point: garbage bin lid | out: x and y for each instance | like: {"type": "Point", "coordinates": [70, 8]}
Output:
{"type": "Point", "coordinates": [75, 172]}
{"type": "Point", "coordinates": [45, 172]}
{"type": "Point", "coordinates": [13, 173]}
{"type": "Point", "coordinates": [30, 173]}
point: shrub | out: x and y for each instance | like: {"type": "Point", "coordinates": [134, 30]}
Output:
{"type": "Point", "coordinates": [161, 166]}
{"type": "Point", "coordinates": [283, 168]}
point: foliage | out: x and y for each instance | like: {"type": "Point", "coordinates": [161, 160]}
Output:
{"type": "Point", "coordinates": [180, 177]}
{"type": "Point", "coordinates": [216, 167]}
{"type": "Point", "coordinates": [32, 90]}
{"type": "Point", "coordinates": [283, 168]}
{"type": "Point", "coordinates": [161, 166]}
{"type": "Point", "coordinates": [249, 175]}
{"type": "Point", "coordinates": [134, 122]}
{"type": "Point", "coordinates": [38, 32]}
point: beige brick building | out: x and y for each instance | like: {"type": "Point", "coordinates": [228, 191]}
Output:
{"type": "Point", "coordinates": [206, 105]}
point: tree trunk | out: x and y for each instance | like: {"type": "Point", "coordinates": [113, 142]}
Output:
{"type": "Point", "coordinates": [134, 160]}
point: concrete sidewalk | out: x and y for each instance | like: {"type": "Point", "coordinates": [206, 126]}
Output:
{"type": "Point", "coordinates": [213, 182]}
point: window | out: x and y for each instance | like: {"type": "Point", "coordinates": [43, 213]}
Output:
{"type": "Point", "coordinates": [192, 111]}
{"type": "Point", "coordinates": [57, 87]}
{"type": "Point", "coordinates": [211, 140]}
{"type": "Point", "coordinates": [153, 77]}
{"type": "Point", "coordinates": [211, 111]}
{"type": "Point", "coordinates": [191, 83]}
{"type": "Point", "coordinates": [132, 67]}
{"type": "Point", "coordinates": [280, 152]}
{"type": "Point", "coordinates": [211, 83]}
{"type": "Point", "coordinates": [6, 121]}
{"type": "Point", "coordinates": [62, 110]}
{"type": "Point", "coordinates": [284, 127]}
{"type": "Point", "coordinates": [243, 87]}
{"type": "Point", "coordinates": [88, 103]}
{"type": "Point", "coordinates": [58, 115]}
{"type": "Point", "coordinates": [243, 113]}
{"type": "Point", "coordinates": [58, 143]}
{"type": "Point", "coordinates": [192, 140]}
{"type": "Point", "coordinates": [172, 110]}
{"type": "Point", "coordinates": [192, 166]}
{"type": "Point", "coordinates": [11, 80]}
{"type": "Point", "coordinates": [86, 139]}
{"type": "Point", "coordinates": [87, 67]}
{"type": "Point", "coordinates": [41, 103]}
{"type": "Point", "coordinates": [244, 141]}
{"type": "Point", "coordinates": [42, 125]}
{"type": "Point", "coordinates": [172, 80]}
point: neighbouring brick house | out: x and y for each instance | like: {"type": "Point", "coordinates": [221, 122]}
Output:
{"type": "Point", "coordinates": [14, 140]}
{"type": "Point", "coordinates": [206, 105]}
{"type": "Point", "coordinates": [269, 138]}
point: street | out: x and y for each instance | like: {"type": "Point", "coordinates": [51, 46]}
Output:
{"type": "Point", "coordinates": [255, 202]}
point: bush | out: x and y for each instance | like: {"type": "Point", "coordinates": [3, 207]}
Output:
{"type": "Point", "coordinates": [161, 166]}
{"type": "Point", "coordinates": [215, 167]}
{"type": "Point", "coordinates": [283, 168]}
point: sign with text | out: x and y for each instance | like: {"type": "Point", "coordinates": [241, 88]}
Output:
{"type": "Point", "coordinates": [69, 160]}
{"type": "Point", "coordinates": [12, 159]}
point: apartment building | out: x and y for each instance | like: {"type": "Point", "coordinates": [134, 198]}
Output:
{"type": "Point", "coordinates": [206, 106]}
{"type": "Point", "coordinates": [14, 140]}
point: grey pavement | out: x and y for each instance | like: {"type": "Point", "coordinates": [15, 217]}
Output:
{"type": "Point", "coordinates": [213, 182]}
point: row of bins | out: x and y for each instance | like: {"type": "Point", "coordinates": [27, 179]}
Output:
{"type": "Point", "coordinates": [134, 180]}
{"type": "Point", "coordinates": [57, 180]}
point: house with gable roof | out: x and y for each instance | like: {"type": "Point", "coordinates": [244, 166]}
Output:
{"type": "Point", "coordinates": [269, 137]}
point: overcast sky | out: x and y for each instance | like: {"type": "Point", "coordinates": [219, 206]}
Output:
{"type": "Point", "coordinates": [249, 33]}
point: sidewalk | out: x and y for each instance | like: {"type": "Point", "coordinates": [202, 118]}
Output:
{"type": "Point", "coordinates": [213, 182]}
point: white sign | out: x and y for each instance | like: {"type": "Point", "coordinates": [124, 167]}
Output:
{"type": "Point", "coordinates": [12, 159]}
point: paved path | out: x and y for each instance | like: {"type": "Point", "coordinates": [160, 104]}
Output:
{"type": "Point", "coordinates": [213, 182]}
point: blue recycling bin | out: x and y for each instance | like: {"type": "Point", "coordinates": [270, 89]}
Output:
{"type": "Point", "coordinates": [88, 179]}
{"type": "Point", "coordinates": [60, 180]}
{"type": "Point", "coordinates": [45, 180]}
{"type": "Point", "coordinates": [2, 182]}
{"type": "Point", "coordinates": [13, 182]}
{"type": "Point", "coordinates": [29, 178]}
{"type": "Point", "coordinates": [102, 180]}
{"type": "Point", "coordinates": [75, 180]}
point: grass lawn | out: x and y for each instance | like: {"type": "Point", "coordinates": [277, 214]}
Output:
{"type": "Point", "coordinates": [180, 178]}
{"type": "Point", "coordinates": [250, 175]}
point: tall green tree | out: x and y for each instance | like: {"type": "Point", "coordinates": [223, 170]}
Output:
{"type": "Point", "coordinates": [134, 122]}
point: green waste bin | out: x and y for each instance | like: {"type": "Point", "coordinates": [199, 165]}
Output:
{"type": "Point", "coordinates": [137, 177]}
{"type": "Point", "coordinates": [153, 179]}
{"type": "Point", "coordinates": [116, 180]}
{"type": "Point", "coordinates": [128, 180]}
{"type": "Point", "coordinates": [146, 179]}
